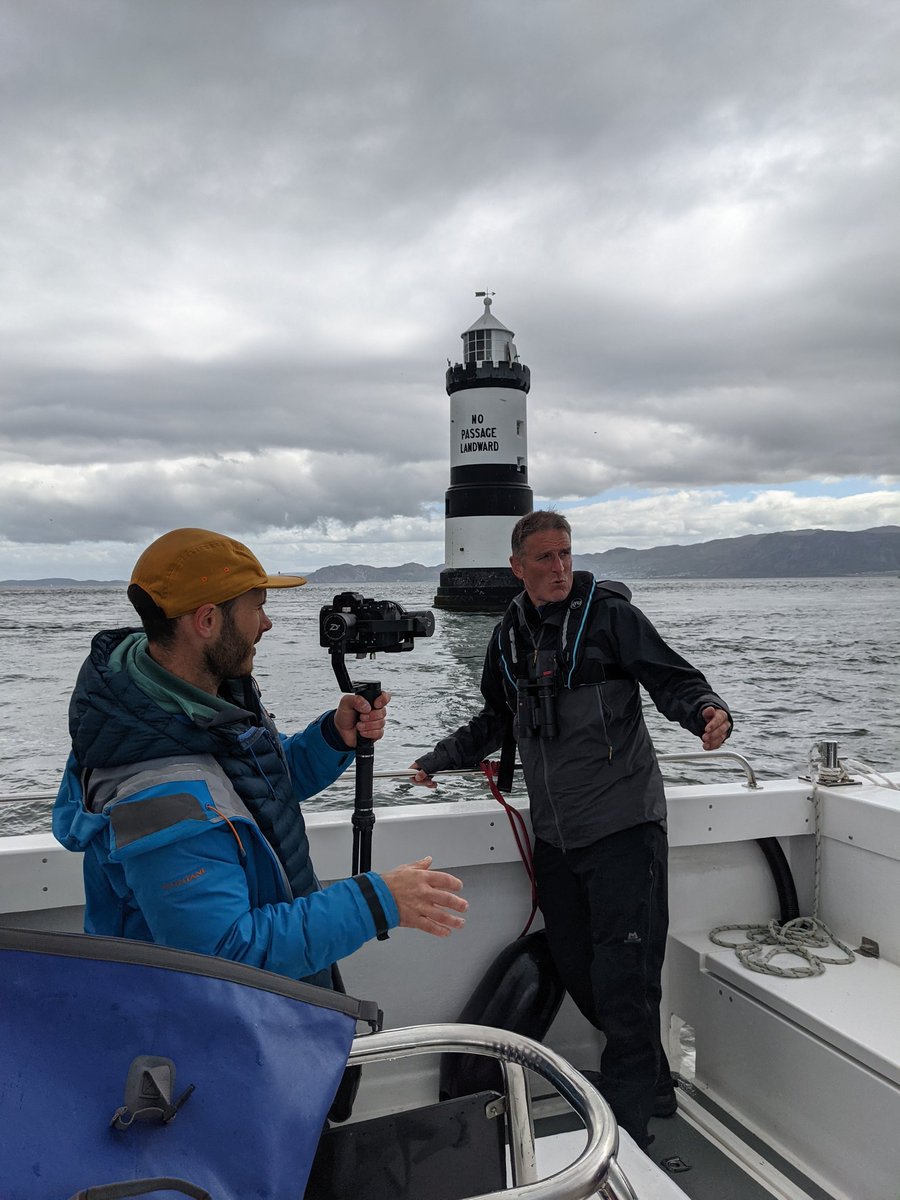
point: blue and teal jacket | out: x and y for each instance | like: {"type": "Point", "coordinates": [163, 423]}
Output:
{"type": "Point", "coordinates": [191, 827]}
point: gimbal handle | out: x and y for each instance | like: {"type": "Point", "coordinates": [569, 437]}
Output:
{"type": "Point", "coordinates": [363, 819]}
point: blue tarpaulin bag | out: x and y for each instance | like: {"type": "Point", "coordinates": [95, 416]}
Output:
{"type": "Point", "coordinates": [121, 1060]}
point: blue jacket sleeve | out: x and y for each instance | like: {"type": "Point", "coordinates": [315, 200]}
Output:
{"type": "Point", "coordinates": [195, 894]}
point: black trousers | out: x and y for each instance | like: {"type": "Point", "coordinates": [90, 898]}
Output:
{"type": "Point", "coordinates": [606, 912]}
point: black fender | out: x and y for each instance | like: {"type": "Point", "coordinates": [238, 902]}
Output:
{"type": "Point", "coordinates": [788, 905]}
{"type": "Point", "coordinates": [521, 991]}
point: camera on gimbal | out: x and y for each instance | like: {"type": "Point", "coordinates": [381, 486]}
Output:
{"type": "Point", "coordinates": [354, 625]}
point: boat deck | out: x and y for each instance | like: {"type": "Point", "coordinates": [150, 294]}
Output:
{"type": "Point", "coordinates": [723, 1160]}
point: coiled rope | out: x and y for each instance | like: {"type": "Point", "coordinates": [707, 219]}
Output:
{"type": "Point", "coordinates": [803, 937]}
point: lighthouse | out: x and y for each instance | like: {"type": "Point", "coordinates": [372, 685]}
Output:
{"type": "Point", "coordinates": [488, 489]}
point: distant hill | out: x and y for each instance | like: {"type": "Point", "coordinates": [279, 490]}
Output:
{"type": "Point", "coordinates": [55, 582]}
{"type": "Point", "coordinates": [358, 573]}
{"type": "Point", "coordinates": [801, 552]}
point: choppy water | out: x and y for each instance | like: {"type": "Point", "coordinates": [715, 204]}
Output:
{"type": "Point", "coordinates": [797, 660]}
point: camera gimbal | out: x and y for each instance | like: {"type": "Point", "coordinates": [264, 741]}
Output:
{"type": "Point", "coordinates": [354, 625]}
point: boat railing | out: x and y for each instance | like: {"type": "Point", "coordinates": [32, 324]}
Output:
{"type": "Point", "coordinates": [702, 756]}
{"type": "Point", "coordinates": [705, 756]}
{"type": "Point", "coordinates": [594, 1172]}
{"type": "Point", "coordinates": [26, 797]}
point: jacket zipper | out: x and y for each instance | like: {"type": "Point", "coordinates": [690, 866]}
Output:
{"type": "Point", "coordinates": [536, 643]}
{"type": "Point", "coordinates": [549, 795]}
{"type": "Point", "coordinates": [601, 707]}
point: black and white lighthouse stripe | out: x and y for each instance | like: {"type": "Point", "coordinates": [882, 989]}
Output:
{"type": "Point", "coordinates": [488, 468]}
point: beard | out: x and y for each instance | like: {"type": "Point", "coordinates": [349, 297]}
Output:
{"type": "Point", "coordinates": [232, 654]}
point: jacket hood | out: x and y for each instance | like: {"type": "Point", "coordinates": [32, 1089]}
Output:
{"type": "Point", "coordinates": [615, 588]}
{"type": "Point", "coordinates": [113, 722]}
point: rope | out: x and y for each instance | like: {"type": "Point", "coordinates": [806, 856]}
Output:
{"type": "Point", "coordinates": [870, 772]}
{"type": "Point", "coordinates": [519, 831]}
{"type": "Point", "coordinates": [801, 937]}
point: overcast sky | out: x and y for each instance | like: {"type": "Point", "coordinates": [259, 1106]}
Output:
{"type": "Point", "coordinates": [239, 242]}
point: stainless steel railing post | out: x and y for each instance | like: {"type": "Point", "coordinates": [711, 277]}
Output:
{"type": "Point", "coordinates": [594, 1169]}
{"type": "Point", "coordinates": [519, 1124]}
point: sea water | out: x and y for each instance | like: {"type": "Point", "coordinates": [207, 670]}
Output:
{"type": "Point", "coordinates": [796, 659]}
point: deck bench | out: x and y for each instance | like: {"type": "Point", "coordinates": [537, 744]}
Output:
{"type": "Point", "coordinates": [855, 1008]}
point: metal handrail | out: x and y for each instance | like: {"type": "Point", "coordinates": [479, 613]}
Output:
{"type": "Point", "coordinates": [703, 756]}
{"type": "Point", "coordinates": [594, 1171]}
{"type": "Point", "coordinates": [26, 797]}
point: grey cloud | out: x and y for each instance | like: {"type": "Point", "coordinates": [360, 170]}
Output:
{"type": "Point", "coordinates": [84, 416]}
{"type": "Point", "coordinates": [131, 502]}
{"type": "Point", "coordinates": [228, 232]}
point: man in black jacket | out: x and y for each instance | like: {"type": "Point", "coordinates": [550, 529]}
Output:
{"type": "Point", "coordinates": [562, 675]}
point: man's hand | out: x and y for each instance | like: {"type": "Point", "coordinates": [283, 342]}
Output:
{"type": "Point", "coordinates": [421, 777]}
{"type": "Point", "coordinates": [718, 727]}
{"type": "Point", "coordinates": [355, 715]}
{"type": "Point", "coordinates": [426, 899]}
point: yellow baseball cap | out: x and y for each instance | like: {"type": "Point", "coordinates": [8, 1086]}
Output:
{"type": "Point", "coordinates": [188, 567]}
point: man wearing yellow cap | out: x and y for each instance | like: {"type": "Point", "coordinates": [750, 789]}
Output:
{"type": "Point", "coordinates": [185, 798]}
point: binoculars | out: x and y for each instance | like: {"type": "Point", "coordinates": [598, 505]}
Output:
{"type": "Point", "coordinates": [536, 706]}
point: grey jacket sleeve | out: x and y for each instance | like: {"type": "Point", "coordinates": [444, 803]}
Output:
{"type": "Point", "coordinates": [677, 688]}
{"type": "Point", "coordinates": [468, 746]}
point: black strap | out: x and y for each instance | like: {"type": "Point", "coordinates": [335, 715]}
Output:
{"type": "Point", "coordinates": [364, 883]}
{"type": "Point", "coordinates": [507, 756]}
{"type": "Point", "coordinates": [142, 1187]}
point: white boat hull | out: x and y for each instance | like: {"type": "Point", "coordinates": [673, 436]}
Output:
{"type": "Point", "coordinates": [810, 1066]}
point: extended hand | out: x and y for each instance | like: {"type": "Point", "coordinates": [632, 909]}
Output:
{"type": "Point", "coordinates": [718, 727]}
{"type": "Point", "coordinates": [426, 899]}
{"type": "Point", "coordinates": [421, 777]}
{"type": "Point", "coordinates": [355, 715]}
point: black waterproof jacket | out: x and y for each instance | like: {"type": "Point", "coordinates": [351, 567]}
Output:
{"type": "Point", "coordinates": [596, 773]}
